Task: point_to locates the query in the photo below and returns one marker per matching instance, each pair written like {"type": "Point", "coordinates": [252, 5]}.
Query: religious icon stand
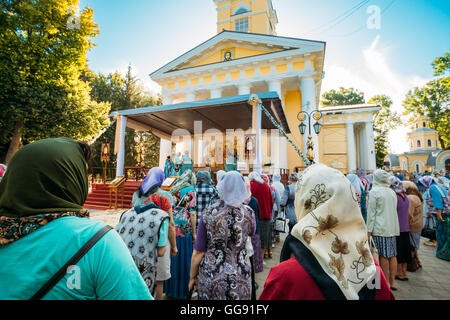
{"type": "Point", "coordinates": [104, 157]}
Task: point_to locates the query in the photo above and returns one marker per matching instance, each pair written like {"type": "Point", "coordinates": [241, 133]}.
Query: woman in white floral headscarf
{"type": "Point", "coordinates": [331, 255]}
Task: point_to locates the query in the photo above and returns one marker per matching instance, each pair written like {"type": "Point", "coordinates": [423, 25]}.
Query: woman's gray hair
{"type": "Point", "coordinates": [293, 176]}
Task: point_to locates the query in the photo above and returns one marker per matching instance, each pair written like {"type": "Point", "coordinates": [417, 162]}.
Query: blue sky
{"type": "Point", "coordinates": [391, 60]}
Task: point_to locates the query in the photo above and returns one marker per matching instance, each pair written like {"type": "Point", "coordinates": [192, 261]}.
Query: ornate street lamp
{"type": "Point", "coordinates": [315, 115]}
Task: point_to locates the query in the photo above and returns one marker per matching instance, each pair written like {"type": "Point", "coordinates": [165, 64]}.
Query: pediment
{"type": "Point", "coordinates": [241, 46]}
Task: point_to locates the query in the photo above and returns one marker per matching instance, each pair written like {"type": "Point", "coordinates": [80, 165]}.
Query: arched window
{"type": "Point", "coordinates": [419, 144]}
{"type": "Point", "coordinates": [424, 125]}
{"type": "Point", "coordinates": [241, 8]}
{"type": "Point", "coordinates": [429, 143]}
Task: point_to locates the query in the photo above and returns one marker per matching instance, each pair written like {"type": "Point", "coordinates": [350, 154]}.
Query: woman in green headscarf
{"type": "Point", "coordinates": [43, 224]}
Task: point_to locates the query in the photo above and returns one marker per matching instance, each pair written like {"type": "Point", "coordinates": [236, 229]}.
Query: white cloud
{"type": "Point", "coordinates": [377, 77]}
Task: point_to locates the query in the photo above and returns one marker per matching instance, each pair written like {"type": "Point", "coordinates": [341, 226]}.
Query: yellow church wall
{"type": "Point", "coordinates": [293, 102]}
{"type": "Point", "coordinates": [220, 77]}
{"type": "Point", "coordinates": [194, 82]}
{"type": "Point", "coordinates": [299, 65]}
{"type": "Point", "coordinates": [171, 85]}
{"type": "Point", "coordinates": [281, 68]}
{"type": "Point", "coordinates": [207, 79]}
{"type": "Point", "coordinates": [235, 75]}
{"type": "Point", "coordinates": [333, 147]}
{"type": "Point", "coordinates": [182, 84]}
{"type": "Point", "coordinates": [245, 52]}
{"type": "Point", "coordinates": [259, 23]}
{"type": "Point", "coordinates": [264, 71]}
{"type": "Point", "coordinates": [249, 73]}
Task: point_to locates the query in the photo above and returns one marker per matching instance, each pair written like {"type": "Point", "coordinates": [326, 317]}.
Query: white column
{"type": "Point", "coordinates": [216, 93]}
{"type": "Point", "coordinates": [308, 88]}
{"type": "Point", "coordinates": [165, 149]}
{"type": "Point", "coordinates": [275, 86]}
{"type": "Point", "coordinates": [167, 99]}
{"type": "Point", "coordinates": [371, 153]}
{"type": "Point", "coordinates": [258, 164]}
{"type": "Point", "coordinates": [190, 96]}
{"type": "Point", "coordinates": [121, 153]}
{"type": "Point", "coordinates": [351, 148]}
{"type": "Point", "coordinates": [244, 89]}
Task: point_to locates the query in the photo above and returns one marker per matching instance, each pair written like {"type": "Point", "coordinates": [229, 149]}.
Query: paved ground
{"type": "Point", "coordinates": [432, 282]}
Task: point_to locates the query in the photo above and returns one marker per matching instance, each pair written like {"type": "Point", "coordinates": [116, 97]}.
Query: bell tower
{"type": "Point", "coordinates": [252, 16]}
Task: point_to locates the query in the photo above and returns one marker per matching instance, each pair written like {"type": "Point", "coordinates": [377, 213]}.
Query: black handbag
{"type": "Point", "coordinates": [429, 230]}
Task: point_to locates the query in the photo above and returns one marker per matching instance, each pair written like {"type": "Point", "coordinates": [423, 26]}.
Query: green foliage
{"type": "Point", "coordinates": [123, 92]}
{"type": "Point", "coordinates": [41, 60]}
{"type": "Point", "coordinates": [342, 97]}
{"type": "Point", "coordinates": [384, 120]}
{"type": "Point", "coordinates": [441, 65]}
{"type": "Point", "coordinates": [432, 101]}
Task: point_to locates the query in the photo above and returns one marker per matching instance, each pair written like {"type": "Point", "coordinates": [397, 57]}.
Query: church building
{"type": "Point", "coordinates": [206, 93]}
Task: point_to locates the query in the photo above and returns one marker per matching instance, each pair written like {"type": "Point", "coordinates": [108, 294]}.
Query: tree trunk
{"type": "Point", "coordinates": [16, 140]}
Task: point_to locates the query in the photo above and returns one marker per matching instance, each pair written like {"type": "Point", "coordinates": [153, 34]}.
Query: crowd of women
{"type": "Point", "coordinates": [209, 238]}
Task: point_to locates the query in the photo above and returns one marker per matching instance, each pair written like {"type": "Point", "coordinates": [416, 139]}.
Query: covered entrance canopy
{"type": "Point", "coordinates": [224, 113]}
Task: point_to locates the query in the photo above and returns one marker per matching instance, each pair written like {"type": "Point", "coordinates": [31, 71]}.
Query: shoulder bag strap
{"type": "Point", "coordinates": [73, 261]}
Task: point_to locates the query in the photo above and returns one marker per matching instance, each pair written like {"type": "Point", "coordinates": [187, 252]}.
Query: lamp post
{"type": "Point", "coordinates": [302, 116]}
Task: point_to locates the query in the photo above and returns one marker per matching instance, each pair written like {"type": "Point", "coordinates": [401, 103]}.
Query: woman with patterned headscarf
{"type": "Point", "coordinates": [206, 192]}
{"type": "Point", "coordinates": [382, 223]}
{"type": "Point", "coordinates": [415, 217]}
{"type": "Point", "coordinates": [220, 266]}
{"type": "Point", "coordinates": [185, 218]}
{"type": "Point", "coordinates": [402, 241]}
{"type": "Point", "coordinates": [438, 208]}
{"type": "Point", "coordinates": [43, 224]}
{"type": "Point", "coordinates": [327, 255]}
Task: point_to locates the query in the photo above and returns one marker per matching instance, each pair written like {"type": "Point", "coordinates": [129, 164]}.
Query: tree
{"type": "Point", "coordinates": [441, 65]}
{"type": "Point", "coordinates": [123, 92]}
{"type": "Point", "coordinates": [432, 101]}
{"type": "Point", "coordinates": [384, 120]}
{"type": "Point", "coordinates": [42, 56]}
{"type": "Point", "coordinates": [342, 97]}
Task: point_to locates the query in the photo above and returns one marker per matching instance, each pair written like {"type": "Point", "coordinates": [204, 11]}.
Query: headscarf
{"type": "Point", "coordinates": [219, 175]}
{"type": "Point", "coordinates": [267, 180]}
{"type": "Point", "coordinates": [155, 177]}
{"type": "Point", "coordinates": [293, 176]}
{"type": "Point", "coordinates": [161, 201]}
{"type": "Point", "coordinates": [362, 175]}
{"type": "Point", "coordinates": [46, 180]}
{"type": "Point", "coordinates": [427, 181]}
{"type": "Point", "coordinates": [411, 188]}
{"type": "Point", "coordinates": [356, 183]}
{"type": "Point", "coordinates": [185, 180]}
{"type": "Point", "coordinates": [445, 181]}
{"type": "Point", "coordinates": [2, 170]}
{"type": "Point", "coordinates": [47, 176]}
{"type": "Point", "coordinates": [203, 177]}
{"type": "Point", "coordinates": [397, 186]}
{"type": "Point", "coordinates": [331, 227]}
{"type": "Point", "coordinates": [255, 176]}
{"type": "Point", "coordinates": [381, 178]}
{"type": "Point", "coordinates": [232, 189]}
{"type": "Point", "coordinates": [279, 187]}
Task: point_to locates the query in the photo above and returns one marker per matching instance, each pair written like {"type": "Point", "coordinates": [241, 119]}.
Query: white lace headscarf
{"type": "Point", "coordinates": [331, 226]}
{"type": "Point", "coordinates": [279, 187]}
{"type": "Point", "coordinates": [232, 189]}
{"type": "Point", "coordinates": [255, 176]}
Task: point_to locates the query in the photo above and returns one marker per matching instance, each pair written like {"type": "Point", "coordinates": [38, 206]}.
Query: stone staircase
{"type": "Point", "coordinates": [98, 199]}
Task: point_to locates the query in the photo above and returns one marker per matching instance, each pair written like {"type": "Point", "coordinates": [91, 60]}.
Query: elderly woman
{"type": "Point", "coordinates": [438, 207]}
{"type": "Point", "coordinates": [206, 192]}
{"type": "Point", "coordinates": [275, 210]}
{"type": "Point", "coordinates": [415, 214]}
{"type": "Point", "coordinates": [220, 266]}
{"type": "Point", "coordinates": [185, 218]}
{"type": "Point", "coordinates": [327, 255]}
{"type": "Point", "coordinates": [402, 241]}
{"type": "Point", "coordinates": [145, 232]}
{"type": "Point", "coordinates": [382, 223]}
{"type": "Point", "coordinates": [287, 200]}
{"type": "Point", "coordinates": [43, 224]}
{"type": "Point", "coordinates": [261, 191]}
